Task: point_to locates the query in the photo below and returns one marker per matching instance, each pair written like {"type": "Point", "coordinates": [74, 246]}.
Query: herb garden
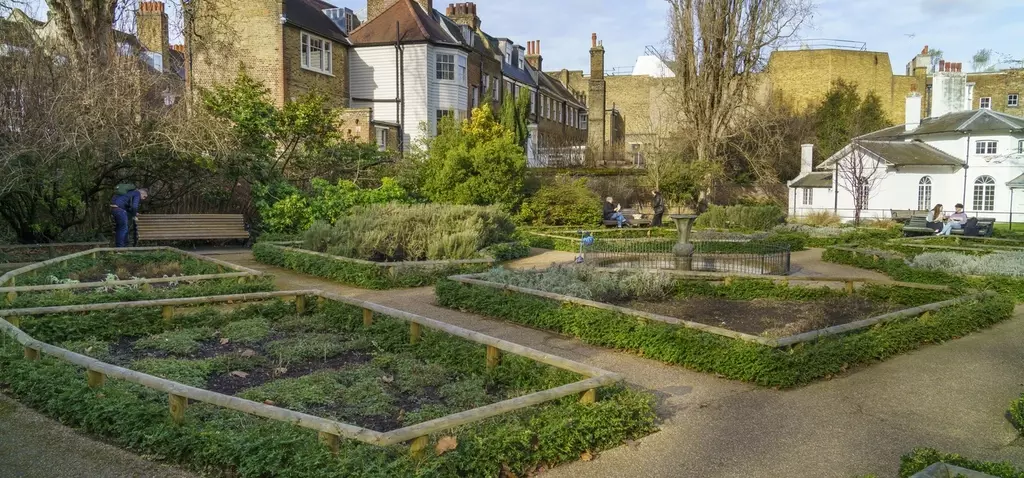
{"type": "Point", "coordinates": [113, 275]}
{"type": "Point", "coordinates": [248, 388]}
{"type": "Point", "coordinates": [766, 332]}
{"type": "Point", "coordinates": [392, 245]}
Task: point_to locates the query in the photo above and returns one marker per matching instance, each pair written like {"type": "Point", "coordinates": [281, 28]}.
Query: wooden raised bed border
{"type": "Point", "coordinates": [330, 431]}
{"type": "Point", "coordinates": [474, 279]}
{"type": "Point", "coordinates": [8, 281]}
{"type": "Point", "coordinates": [385, 265]}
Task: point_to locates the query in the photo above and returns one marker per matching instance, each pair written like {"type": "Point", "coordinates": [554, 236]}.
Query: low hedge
{"type": "Point", "coordinates": [216, 440]}
{"type": "Point", "coordinates": [1016, 414]}
{"type": "Point", "coordinates": [921, 458]}
{"type": "Point", "coordinates": [898, 270]}
{"type": "Point", "coordinates": [204, 288]}
{"type": "Point", "coordinates": [735, 359]}
{"type": "Point", "coordinates": [358, 273]}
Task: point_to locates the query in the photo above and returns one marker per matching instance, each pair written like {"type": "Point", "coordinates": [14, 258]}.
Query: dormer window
{"type": "Point", "coordinates": [508, 54]}
{"type": "Point", "coordinates": [468, 35]}
{"type": "Point", "coordinates": [316, 54]}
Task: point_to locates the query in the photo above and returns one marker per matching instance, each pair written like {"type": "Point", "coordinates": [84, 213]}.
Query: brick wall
{"type": "Point", "coordinates": [998, 86]}
{"type": "Point", "coordinates": [356, 125]}
{"type": "Point", "coordinates": [300, 81]}
{"type": "Point", "coordinates": [151, 22]}
{"type": "Point", "coordinates": [227, 35]}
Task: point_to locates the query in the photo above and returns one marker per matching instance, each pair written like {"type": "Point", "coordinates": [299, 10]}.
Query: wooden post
{"type": "Point", "coordinates": [493, 357]}
{"type": "Point", "coordinates": [367, 317]}
{"type": "Point", "coordinates": [241, 280]}
{"type": "Point", "coordinates": [14, 320]}
{"type": "Point", "coordinates": [31, 353]}
{"type": "Point", "coordinates": [849, 287]}
{"type": "Point", "coordinates": [9, 299]}
{"type": "Point", "coordinates": [167, 312]}
{"type": "Point", "coordinates": [320, 301]}
{"type": "Point", "coordinates": [415, 331]}
{"type": "Point", "coordinates": [332, 441]}
{"type": "Point", "coordinates": [177, 407]}
{"type": "Point", "coordinates": [94, 379]}
{"type": "Point", "coordinates": [590, 396]}
{"type": "Point", "coordinates": [147, 287]}
{"type": "Point", "coordinates": [300, 304]}
{"type": "Point", "coordinates": [728, 281]}
{"type": "Point", "coordinates": [418, 446]}
{"type": "Point", "coordinates": [220, 269]}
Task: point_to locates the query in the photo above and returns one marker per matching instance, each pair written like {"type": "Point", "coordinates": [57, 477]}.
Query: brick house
{"type": "Point", "coordinates": [293, 47]}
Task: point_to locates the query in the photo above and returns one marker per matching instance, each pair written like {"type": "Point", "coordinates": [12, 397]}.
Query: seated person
{"type": "Point", "coordinates": [612, 211]}
{"type": "Point", "coordinates": [954, 221]}
{"type": "Point", "coordinates": [934, 219]}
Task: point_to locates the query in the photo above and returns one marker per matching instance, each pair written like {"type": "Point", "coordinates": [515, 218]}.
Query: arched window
{"type": "Point", "coordinates": [924, 194]}
{"type": "Point", "coordinates": [984, 194]}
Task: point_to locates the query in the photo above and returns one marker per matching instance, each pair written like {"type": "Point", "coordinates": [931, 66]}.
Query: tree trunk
{"type": "Point", "coordinates": [87, 28]}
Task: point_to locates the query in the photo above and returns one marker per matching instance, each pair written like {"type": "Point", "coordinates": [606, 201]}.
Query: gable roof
{"type": "Point", "coordinates": [309, 15]}
{"type": "Point", "coordinates": [813, 180]}
{"type": "Point", "coordinates": [972, 121]}
{"type": "Point", "coordinates": [555, 88]}
{"type": "Point", "coordinates": [897, 153]}
{"type": "Point", "coordinates": [1017, 182]}
{"type": "Point", "coordinates": [416, 25]}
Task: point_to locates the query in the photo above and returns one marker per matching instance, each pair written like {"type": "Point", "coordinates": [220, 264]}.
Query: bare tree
{"type": "Point", "coordinates": [87, 27]}
{"type": "Point", "coordinates": [719, 46]}
{"type": "Point", "coordinates": [859, 174]}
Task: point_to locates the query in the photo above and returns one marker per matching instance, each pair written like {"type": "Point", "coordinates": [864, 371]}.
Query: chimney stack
{"type": "Point", "coordinates": [912, 113]}
{"type": "Point", "coordinates": [597, 104]}
{"type": "Point", "coordinates": [806, 158]}
{"type": "Point", "coordinates": [463, 14]}
{"type": "Point", "coordinates": [533, 55]}
{"type": "Point", "coordinates": [151, 25]}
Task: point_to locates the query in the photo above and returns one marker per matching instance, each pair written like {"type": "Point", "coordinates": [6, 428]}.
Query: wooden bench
{"type": "Point", "coordinates": [918, 226]}
{"type": "Point", "coordinates": [192, 227]}
{"type": "Point", "coordinates": [905, 215]}
{"type": "Point", "coordinates": [644, 221]}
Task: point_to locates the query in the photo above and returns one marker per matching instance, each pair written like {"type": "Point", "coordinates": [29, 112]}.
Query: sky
{"type": "Point", "coordinates": [900, 27]}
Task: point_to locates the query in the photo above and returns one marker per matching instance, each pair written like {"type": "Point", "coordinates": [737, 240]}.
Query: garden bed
{"type": "Point", "coordinates": [794, 349]}
{"type": "Point", "coordinates": [117, 275]}
{"type": "Point", "coordinates": [365, 377]}
{"type": "Point", "coordinates": [30, 253]}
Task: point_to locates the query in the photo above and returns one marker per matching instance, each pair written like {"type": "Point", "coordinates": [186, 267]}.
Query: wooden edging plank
{"type": "Point", "coordinates": [330, 430]}
{"type": "Point", "coordinates": [382, 264]}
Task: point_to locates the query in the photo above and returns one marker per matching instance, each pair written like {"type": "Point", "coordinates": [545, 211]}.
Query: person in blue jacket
{"type": "Point", "coordinates": [125, 208]}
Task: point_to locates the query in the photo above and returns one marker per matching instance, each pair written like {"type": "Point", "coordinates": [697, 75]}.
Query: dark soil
{"type": "Point", "coordinates": [771, 318]}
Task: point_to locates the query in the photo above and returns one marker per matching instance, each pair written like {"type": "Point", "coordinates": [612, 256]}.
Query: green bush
{"type": "Point", "coordinates": [586, 283]}
{"type": "Point", "coordinates": [741, 218]}
{"type": "Point", "coordinates": [361, 274]}
{"type": "Point", "coordinates": [507, 251]}
{"type": "Point", "coordinates": [394, 232]}
{"type": "Point", "coordinates": [327, 202]}
{"type": "Point", "coordinates": [921, 458]}
{"type": "Point", "coordinates": [565, 203]}
{"type": "Point", "coordinates": [997, 263]}
{"type": "Point", "coordinates": [735, 359]}
{"type": "Point", "coordinates": [203, 288]}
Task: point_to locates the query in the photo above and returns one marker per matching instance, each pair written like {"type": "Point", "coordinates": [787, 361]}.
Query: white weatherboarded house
{"type": "Point", "coordinates": [971, 157]}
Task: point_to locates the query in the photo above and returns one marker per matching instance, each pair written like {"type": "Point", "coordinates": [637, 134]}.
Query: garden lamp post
{"type": "Point", "coordinates": [683, 250]}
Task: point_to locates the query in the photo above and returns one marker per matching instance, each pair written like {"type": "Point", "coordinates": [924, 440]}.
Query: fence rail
{"type": "Point", "coordinates": [744, 257]}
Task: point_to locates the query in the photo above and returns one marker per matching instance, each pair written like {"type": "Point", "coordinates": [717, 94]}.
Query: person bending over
{"type": "Point", "coordinates": [124, 207]}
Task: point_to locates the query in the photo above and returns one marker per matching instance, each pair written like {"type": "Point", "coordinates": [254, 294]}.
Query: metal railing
{"type": "Point", "coordinates": [742, 257]}
{"type": "Point", "coordinates": [825, 44]}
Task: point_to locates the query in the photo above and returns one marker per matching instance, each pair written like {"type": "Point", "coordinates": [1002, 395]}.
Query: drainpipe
{"type": "Point", "coordinates": [967, 165]}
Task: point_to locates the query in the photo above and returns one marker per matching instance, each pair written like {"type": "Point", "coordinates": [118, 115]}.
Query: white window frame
{"type": "Point", "coordinates": [984, 194]}
{"type": "Point", "coordinates": [533, 103]}
{"type": "Point", "coordinates": [808, 197]}
{"type": "Point", "coordinates": [307, 44]}
{"type": "Point", "coordinates": [461, 61]}
{"type": "Point", "coordinates": [496, 90]}
{"type": "Point", "coordinates": [985, 103]}
{"type": "Point", "coordinates": [476, 97]}
{"type": "Point", "coordinates": [382, 137]}
{"type": "Point", "coordinates": [969, 94]}
{"type": "Point", "coordinates": [444, 66]}
{"type": "Point", "coordinates": [924, 193]}
{"type": "Point", "coordinates": [1012, 100]}
{"type": "Point", "coordinates": [986, 147]}
{"type": "Point", "coordinates": [1020, 146]}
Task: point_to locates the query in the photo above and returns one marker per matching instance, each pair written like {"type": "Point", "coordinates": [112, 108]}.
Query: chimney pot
{"type": "Point", "coordinates": [593, 40]}
{"type": "Point", "coordinates": [536, 47]}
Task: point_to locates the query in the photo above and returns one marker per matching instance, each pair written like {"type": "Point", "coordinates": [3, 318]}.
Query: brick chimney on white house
{"type": "Point", "coordinates": [913, 111]}
{"type": "Point", "coordinates": [949, 89]}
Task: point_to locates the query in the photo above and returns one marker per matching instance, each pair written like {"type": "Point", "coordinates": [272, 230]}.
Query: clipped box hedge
{"type": "Point", "coordinates": [898, 270]}
{"type": "Point", "coordinates": [921, 458]}
{"type": "Point", "coordinates": [365, 274]}
{"type": "Point", "coordinates": [712, 353]}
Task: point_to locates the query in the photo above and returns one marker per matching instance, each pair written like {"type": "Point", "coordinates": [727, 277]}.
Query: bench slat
{"type": "Point", "coordinates": [182, 227]}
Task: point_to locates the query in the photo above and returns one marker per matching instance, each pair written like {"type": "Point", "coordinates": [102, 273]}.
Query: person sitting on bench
{"type": "Point", "coordinates": [124, 206]}
{"type": "Point", "coordinates": [612, 212]}
{"type": "Point", "coordinates": [954, 221]}
{"type": "Point", "coordinates": [934, 219]}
